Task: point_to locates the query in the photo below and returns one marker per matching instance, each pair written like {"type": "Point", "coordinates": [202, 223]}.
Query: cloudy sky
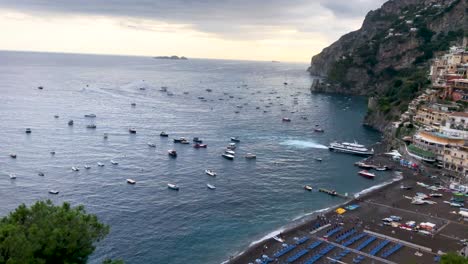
{"type": "Point", "coordinates": [286, 30]}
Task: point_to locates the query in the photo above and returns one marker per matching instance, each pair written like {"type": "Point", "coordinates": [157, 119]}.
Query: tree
{"type": "Point", "coordinates": [45, 233]}
{"type": "Point", "coordinates": [453, 258]}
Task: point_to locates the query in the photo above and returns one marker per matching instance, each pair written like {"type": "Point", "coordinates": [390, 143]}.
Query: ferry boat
{"type": "Point", "coordinates": [366, 174]}
{"type": "Point", "coordinates": [351, 148]}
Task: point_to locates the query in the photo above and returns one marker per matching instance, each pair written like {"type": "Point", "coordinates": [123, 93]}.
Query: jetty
{"type": "Point", "coordinates": [333, 193]}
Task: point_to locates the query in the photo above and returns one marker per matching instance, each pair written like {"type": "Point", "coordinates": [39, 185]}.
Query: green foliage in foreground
{"type": "Point", "coordinates": [453, 258]}
{"type": "Point", "coordinates": [45, 233]}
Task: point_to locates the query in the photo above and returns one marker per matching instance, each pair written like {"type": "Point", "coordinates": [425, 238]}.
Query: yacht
{"type": "Point", "coordinates": [87, 167]}
{"type": "Point", "coordinates": [100, 164]}
{"type": "Point", "coordinates": [210, 186]}
{"type": "Point", "coordinates": [230, 152]}
{"type": "Point", "coordinates": [197, 145]}
{"type": "Point", "coordinates": [351, 148]}
{"type": "Point", "coordinates": [210, 172]}
{"type": "Point", "coordinates": [286, 119]}
{"type": "Point", "coordinates": [231, 146]}
{"type": "Point", "coordinates": [164, 134]}
{"type": "Point", "coordinates": [113, 162]}
{"type": "Point", "coordinates": [172, 153]}
{"type": "Point", "coordinates": [12, 176]}
{"type": "Point", "coordinates": [75, 169]}
{"type": "Point", "coordinates": [197, 140]}
{"type": "Point", "coordinates": [132, 130]}
{"type": "Point", "coordinates": [228, 156]}
{"type": "Point", "coordinates": [308, 188]}
{"type": "Point", "coordinates": [54, 192]}
{"type": "Point", "coordinates": [250, 156]}
{"type": "Point", "coordinates": [319, 130]}
{"type": "Point", "coordinates": [151, 145]}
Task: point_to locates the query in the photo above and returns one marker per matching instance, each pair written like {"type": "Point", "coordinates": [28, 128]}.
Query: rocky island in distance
{"type": "Point", "coordinates": [173, 57]}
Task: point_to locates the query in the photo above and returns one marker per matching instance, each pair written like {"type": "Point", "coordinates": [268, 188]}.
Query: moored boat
{"type": "Point", "coordinates": [197, 140]}
{"type": "Point", "coordinates": [100, 164]}
{"type": "Point", "coordinates": [12, 176]}
{"type": "Point", "coordinates": [87, 167]}
{"type": "Point", "coordinates": [363, 165]}
{"type": "Point", "coordinates": [230, 152]}
{"type": "Point", "coordinates": [70, 122]}
{"type": "Point", "coordinates": [231, 146]}
{"type": "Point", "coordinates": [113, 162]}
{"type": "Point", "coordinates": [180, 140]}
{"type": "Point", "coordinates": [286, 119]}
{"type": "Point", "coordinates": [308, 188]}
{"type": "Point", "coordinates": [250, 156]}
{"type": "Point", "coordinates": [92, 126]}
{"type": "Point", "coordinates": [210, 172]}
{"type": "Point", "coordinates": [235, 139]}
{"type": "Point", "coordinates": [163, 134]}
{"type": "Point", "coordinates": [132, 130]}
{"type": "Point", "coordinates": [197, 145]}
{"type": "Point", "coordinates": [366, 174]}
{"type": "Point", "coordinates": [210, 186]}
{"type": "Point", "coordinates": [90, 115]}
{"type": "Point", "coordinates": [41, 174]}
{"type": "Point", "coordinates": [28, 131]}
{"type": "Point", "coordinates": [131, 181]}
{"type": "Point", "coordinates": [318, 159]}
{"type": "Point", "coordinates": [172, 153]}
{"type": "Point", "coordinates": [172, 186]}
{"type": "Point", "coordinates": [319, 130]}
{"type": "Point", "coordinates": [227, 156]}
{"type": "Point", "coordinates": [75, 168]}
{"type": "Point", "coordinates": [13, 155]}
{"type": "Point", "coordinates": [54, 192]}
{"type": "Point", "coordinates": [151, 145]}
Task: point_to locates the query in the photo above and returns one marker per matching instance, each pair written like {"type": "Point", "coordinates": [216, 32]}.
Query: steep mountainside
{"type": "Point", "coordinates": [387, 57]}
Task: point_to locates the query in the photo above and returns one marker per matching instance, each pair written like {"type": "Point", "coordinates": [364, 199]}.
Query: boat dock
{"type": "Point", "coordinates": [333, 193]}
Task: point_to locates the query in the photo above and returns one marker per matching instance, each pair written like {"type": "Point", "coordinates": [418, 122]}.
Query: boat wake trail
{"type": "Point", "coordinates": [303, 144]}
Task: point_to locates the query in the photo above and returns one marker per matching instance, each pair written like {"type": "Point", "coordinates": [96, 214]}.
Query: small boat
{"type": "Point", "coordinates": [52, 153]}
{"type": "Point", "coordinates": [170, 93]}
{"type": "Point", "coordinates": [142, 88]}
{"type": "Point", "coordinates": [236, 112]}
{"type": "Point", "coordinates": [366, 174]}
{"type": "Point", "coordinates": [133, 104]}
{"type": "Point", "coordinates": [28, 131]}
{"type": "Point", "coordinates": [163, 89]}
{"type": "Point", "coordinates": [209, 90]}
{"type": "Point", "coordinates": [100, 164]}
{"type": "Point", "coordinates": [92, 126]}
{"type": "Point", "coordinates": [235, 139]}
{"type": "Point", "coordinates": [56, 116]}
{"type": "Point", "coordinates": [286, 119]}
{"type": "Point", "coordinates": [13, 155]}
{"type": "Point", "coordinates": [250, 156]}
{"type": "Point", "coordinates": [90, 115]}
{"type": "Point", "coordinates": [54, 192]}
{"type": "Point", "coordinates": [105, 136]}
{"type": "Point", "coordinates": [113, 162]}
{"type": "Point", "coordinates": [318, 159]}
{"type": "Point", "coordinates": [41, 174]}
{"type": "Point", "coordinates": [87, 167]}
{"type": "Point", "coordinates": [12, 176]}
{"type": "Point", "coordinates": [197, 140]}
{"type": "Point", "coordinates": [184, 142]}
{"type": "Point", "coordinates": [40, 87]}
{"type": "Point", "coordinates": [210, 186]}
{"type": "Point", "coordinates": [130, 181]}
{"type": "Point", "coordinates": [227, 156]}
{"type": "Point", "coordinates": [200, 145]}
{"type": "Point", "coordinates": [151, 145]}
{"type": "Point", "coordinates": [210, 172]}
{"type": "Point", "coordinates": [383, 168]}
{"type": "Point", "coordinates": [231, 146]}
{"type": "Point", "coordinates": [319, 130]}
{"type": "Point", "coordinates": [230, 152]}
{"type": "Point", "coordinates": [278, 239]}
{"type": "Point", "coordinates": [172, 153]}
{"type": "Point", "coordinates": [436, 195]}
{"type": "Point", "coordinates": [186, 92]}
{"type": "Point", "coordinates": [164, 134]}
{"type": "Point", "coordinates": [406, 187]}
{"type": "Point", "coordinates": [132, 130]}
{"type": "Point", "coordinates": [179, 140]}
{"type": "Point", "coordinates": [75, 169]}
{"type": "Point", "coordinates": [173, 186]}
{"type": "Point", "coordinates": [308, 188]}
{"type": "Point", "coordinates": [363, 165]}
{"type": "Point", "coordinates": [70, 122]}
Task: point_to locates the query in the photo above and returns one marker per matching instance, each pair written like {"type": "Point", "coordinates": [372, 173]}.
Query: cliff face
{"type": "Point", "coordinates": [394, 43]}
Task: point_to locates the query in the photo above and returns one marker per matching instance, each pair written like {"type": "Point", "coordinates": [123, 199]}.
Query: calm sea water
{"type": "Point", "coordinates": [149, 223]}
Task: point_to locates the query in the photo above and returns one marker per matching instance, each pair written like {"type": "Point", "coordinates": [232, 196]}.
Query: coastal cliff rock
{"type": "Point", "coordinates": [388, 56]}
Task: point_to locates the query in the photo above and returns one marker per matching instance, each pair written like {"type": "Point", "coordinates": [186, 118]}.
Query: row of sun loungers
{"type": "Point", "coordinates": [345, 235]}
{"type": "Point", "coordinates": [351, 241]}
{"type": "Point", "coordinates": [284, 251]}
{"type": "Point", "coordinates": [297, 255]}
{"type": "Point", "coordinates": [376, 250]}
{"type": "Point", "coordinates": [389, 252]}
{"type": "Point", "coordinates": [321, 253]}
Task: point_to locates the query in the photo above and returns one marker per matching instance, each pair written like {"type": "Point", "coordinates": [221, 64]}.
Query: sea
{"type": "Point", "coordinates": [149, 222]}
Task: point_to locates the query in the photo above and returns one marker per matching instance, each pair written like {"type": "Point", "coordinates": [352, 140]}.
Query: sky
{"type": "Point", "coordinates": [283, 30]}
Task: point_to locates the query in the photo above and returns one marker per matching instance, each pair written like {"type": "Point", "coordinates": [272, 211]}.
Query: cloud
{"type": "Point", "coordinates": [232, 19]}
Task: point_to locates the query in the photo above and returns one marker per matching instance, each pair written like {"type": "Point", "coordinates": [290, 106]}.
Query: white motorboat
{"type": "Point", "coordinates": [54, 192]}
{"type": "Point", "coordinates": [308, 188]}
{"type": "Point", "coordinates": [210, 172]}
{"type": "Point", "coordinates": [232, 146]}
{"type": "Point", "coordinates": [75, 168]}
{"type": "Point", "coordinates": [12, 176]}
{"type": "Point", "coordinates": [436, 195]}
{"type": "Point", "coordinates": [210, 186]}
{"type": "Point", "coordinates": [87, 167]}
{"type": "Point", "coordinates": [228, 156]}
{"type": "Point", "coordinates": [250, 156]}
{"type": "Point", "coordinates": [131, 181]}
{"type": "Point", "coordinates": [230, 152]}
{"type": "Point", "coordinates": [100, 164]}
{"type": "Point", "coordinates": [235, 139]}
{"type": "Point", "coordinates": [113, 162]}
{"type": "Point", "coordinates": [151, 145]}
{"type": "Point", "coordinates": [318, 159]}
{"type": "Point", "coordinates": [366, 174]}
{"type": "Point", "coordinates": [172, 153]}
{"type": "Point", "coordinates": [173, 186]}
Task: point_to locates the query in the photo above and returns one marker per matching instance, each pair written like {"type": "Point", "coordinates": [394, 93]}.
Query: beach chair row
{"type": "Point", "coordinates": [345, 235]}
{"type": "Point", "coordinates": [376, 250]}
{"type": "Point", "coordinates": [366, 243]}
{"type": "Point", "coordinates": [297, 255]}
{"type": "Point", "coordinates": [302, 240]}
{"type": "Point", "coordinates": [358, 259]}
{"type": "Point", "coordinates": [389, 252]}
{"type": "Point", "coordinates": [315, 244]}
{"type": "Point", "coordinates": [321, 253]}
{"type": "Point", "coordinates": [284, 251]}
{"type": "Point", "coordinates": [351, 241]}
{"type": "Point", "coordinates": [334, 231]}
{"type": "Point", "coordinates": [341, 255]}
